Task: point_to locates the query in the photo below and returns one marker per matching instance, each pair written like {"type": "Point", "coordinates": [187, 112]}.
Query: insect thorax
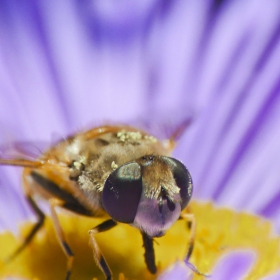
{"type": "Point", "coordinates": [94, 160]}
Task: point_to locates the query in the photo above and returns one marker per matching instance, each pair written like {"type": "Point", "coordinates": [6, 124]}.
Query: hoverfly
{"type": "Point", "coordinates": [117, 170]}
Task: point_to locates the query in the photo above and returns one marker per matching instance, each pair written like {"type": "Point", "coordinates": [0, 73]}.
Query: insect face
{"type": "Point", "coordinates": [149, 193]}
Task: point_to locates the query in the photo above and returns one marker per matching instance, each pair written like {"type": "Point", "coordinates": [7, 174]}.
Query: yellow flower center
{"type": "Point", "coordinates": [219, 231]}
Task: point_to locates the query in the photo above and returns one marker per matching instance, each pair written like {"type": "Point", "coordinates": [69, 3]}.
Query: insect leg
{"type": "Point", "coordinates": [35, 228]}
{"type": "Point", "coordinates": [149, 254]}
{"type": "Point", "coordinates": [61, 236]}
{"type": "Point", "coordinates": [192, 226]}
{"type": "Point", "coordinates": [97, 255]}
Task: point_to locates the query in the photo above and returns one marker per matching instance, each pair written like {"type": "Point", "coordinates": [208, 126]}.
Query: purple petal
{"type": "Point", "coordinates": [275, 276]}
{"type": "Point", "coordinates": [69, 65]}
{"type": "Point", "coordinates": [234, 265]}
{"type": "Point", "coordinates": [65, 66]}
{"type": "Point", "coordinates": [12, 203]}
{"type": "Point", "coordinates": [178, 271]}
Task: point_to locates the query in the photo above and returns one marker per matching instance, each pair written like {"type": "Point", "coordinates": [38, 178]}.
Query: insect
{"type": "Point", "coordinates": [117, 170]}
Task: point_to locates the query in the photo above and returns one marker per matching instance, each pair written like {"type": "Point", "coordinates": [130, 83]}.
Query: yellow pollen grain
{"type": "Point", "coordinates": [129, 135]}
{"type": "Point", "coordinates": [114, 166]}
{"type": "Point", "coordinates": [151, 138]}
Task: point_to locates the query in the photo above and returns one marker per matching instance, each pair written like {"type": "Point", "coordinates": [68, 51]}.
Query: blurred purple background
{"type": "Point", "coordinates": [66, 66]}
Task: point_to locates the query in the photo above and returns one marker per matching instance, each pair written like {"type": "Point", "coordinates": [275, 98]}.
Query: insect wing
{"type": "Point", "coordinates": [23, 150]}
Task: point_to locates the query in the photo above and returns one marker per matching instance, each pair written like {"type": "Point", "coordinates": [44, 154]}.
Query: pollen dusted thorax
{"type": "Point", "coordinates": [95, 159]}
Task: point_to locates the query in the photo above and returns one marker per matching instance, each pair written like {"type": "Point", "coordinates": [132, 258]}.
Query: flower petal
{"type": "Point", "coordinates": [275, 276]}
{"type": "Point", "coordinates": [178, 271]}
{"type": "Point", "coordinates": [233, 265]}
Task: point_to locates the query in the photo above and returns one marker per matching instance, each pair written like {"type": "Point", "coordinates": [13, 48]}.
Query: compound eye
{"type": "Point", "coordinates": [122, 192]}
{"type": "Point", "coordinates": [182, 178]}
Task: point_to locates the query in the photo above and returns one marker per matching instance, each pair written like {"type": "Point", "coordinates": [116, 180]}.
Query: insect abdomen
{"type": "Point", "coordinates": [70, 202]}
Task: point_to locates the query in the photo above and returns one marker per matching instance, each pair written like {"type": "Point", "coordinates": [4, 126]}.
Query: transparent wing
{"type": "Point", "coordinates": [171, 129]}
{"type": "Point", "coordinates": [22, 153]}
{"type": "Point", "coordinates": [26, 154]}
{"type": "Point", "coordinates": [24, 150]}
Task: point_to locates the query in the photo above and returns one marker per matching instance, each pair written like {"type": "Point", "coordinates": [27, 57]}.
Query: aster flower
{"type": "Point", "coordinates": [67, 66]}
